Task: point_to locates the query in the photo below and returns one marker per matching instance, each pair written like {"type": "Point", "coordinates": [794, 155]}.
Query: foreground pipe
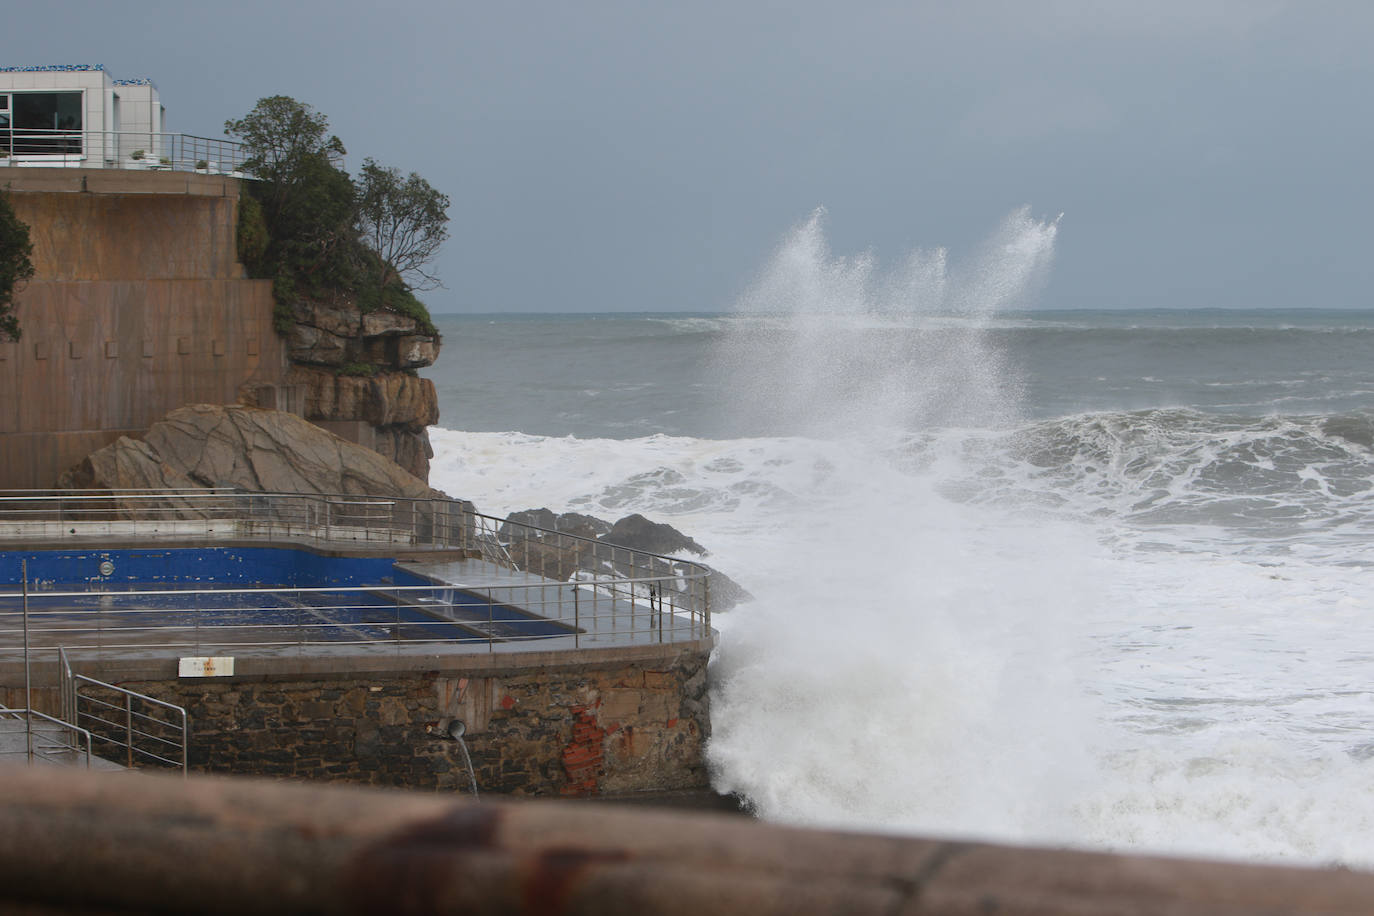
{"type": "Point", "coordinates": [78, 842]}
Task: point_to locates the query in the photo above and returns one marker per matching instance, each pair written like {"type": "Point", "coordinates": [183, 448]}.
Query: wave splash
{"type": "Point", "coordinates": [1081, 618]}
{"type": "Point", "coordinates": [902, 665]}
{"type": "Point", "coordinates": [856, 348]}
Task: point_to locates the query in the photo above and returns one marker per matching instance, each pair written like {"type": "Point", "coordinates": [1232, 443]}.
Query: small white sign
{"type": "Point", "coordinates": [206, 666]}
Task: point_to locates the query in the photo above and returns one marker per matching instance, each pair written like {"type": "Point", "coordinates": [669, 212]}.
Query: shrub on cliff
{"type": "Point", "coordinates": [325, 235]}
{"type": "Point", "coordinates": [252, 235]}
{"type": "Point", "coordinates": [16, 265]}
{"type": "Point", "coordinates": [404, 220]}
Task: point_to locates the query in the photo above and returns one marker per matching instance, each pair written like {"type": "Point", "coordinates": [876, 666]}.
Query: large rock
{"type": "Point", "coordinates": [574, 523]}
{"type": "Point", "coordinates": [556, 557]}
{"type": "Point", "coordinates": [638, 533]}
{"type": "Point", "coordinates": [206, 445]}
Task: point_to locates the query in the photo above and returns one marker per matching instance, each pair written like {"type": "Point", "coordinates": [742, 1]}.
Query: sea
{"type": "Point", "coordinates": [1095, 579]}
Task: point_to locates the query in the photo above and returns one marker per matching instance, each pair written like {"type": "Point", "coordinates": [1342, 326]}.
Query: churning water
{"type": "Point", "coordinates": [1098, 579]}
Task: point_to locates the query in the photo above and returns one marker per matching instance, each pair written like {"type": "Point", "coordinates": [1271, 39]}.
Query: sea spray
{"type": "Point", "coordinates": [857, 351]}
{"type": "Point", "coordinates": [905, 662]}
{"type": "Point", "coordinates": [1142, 614]}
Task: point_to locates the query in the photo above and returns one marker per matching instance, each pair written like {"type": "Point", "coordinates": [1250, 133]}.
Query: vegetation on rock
{"type": "Point", "coordinates": [16, 266]}
{"type": "Point", "coordinates": [319, 235]}
{"type": "Point", "coordinates": [404, 220]}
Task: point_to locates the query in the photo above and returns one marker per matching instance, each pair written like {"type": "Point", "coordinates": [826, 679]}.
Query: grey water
{"type": "Point", "coordinates": [628, 375]}
{"type": "Point", "coordinates": [1118, 598]}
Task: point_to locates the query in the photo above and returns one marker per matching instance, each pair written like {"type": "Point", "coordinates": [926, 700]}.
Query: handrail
{"type": "Point", "coordinates": [132, 750]}
{"type": "Point", "coordinates": [59, 747]}
{"type": "Point", "coordinates": [122, 149]}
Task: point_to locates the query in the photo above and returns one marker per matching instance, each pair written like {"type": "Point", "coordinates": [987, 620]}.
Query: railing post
{"type": "Point", "coordinates": [129, 728]}
{"type": "Point", "coordinates": [28, 685]}
{"type": "Point", "coordinates": [577, 619]}
{"type": "Point", "coordinates": [706, 606]}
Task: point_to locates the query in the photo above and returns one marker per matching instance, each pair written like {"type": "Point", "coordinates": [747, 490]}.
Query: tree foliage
{"type": "Point", "coordinates": [404, 220]}
{"type": "Point", "coordinates": [16, 266]}
{"type": "Point", "coordinates": [324, 233]}
{"type": "Point", "coordinates": [286, 141]}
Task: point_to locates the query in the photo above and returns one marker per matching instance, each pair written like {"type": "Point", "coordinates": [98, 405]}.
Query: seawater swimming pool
{"type": "Point", "coordinates": [242, 596]}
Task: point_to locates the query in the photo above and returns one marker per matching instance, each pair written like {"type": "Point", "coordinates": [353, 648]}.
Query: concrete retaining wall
{"type": "Point", "coordinates": [138, 306]}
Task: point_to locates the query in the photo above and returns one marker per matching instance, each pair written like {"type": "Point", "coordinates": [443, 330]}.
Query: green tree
{"type": "Point", "coordinates": [320, 236]}
{"type": "Point", "coordinates": [306, 201]}
{"type": "Point", "coordinates": [404, 220]}
{"type": "Point", "coordinates": [16, 266]}
{"type": "Point", "coordinates": [286, 142]}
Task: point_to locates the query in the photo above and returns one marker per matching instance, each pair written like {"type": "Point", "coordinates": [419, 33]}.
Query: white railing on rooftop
{"type": "Point", "coordinates": [125, 149]}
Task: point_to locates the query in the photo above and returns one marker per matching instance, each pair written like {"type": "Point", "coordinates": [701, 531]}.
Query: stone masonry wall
{"type": "Point", "coordinates": [575, 730]}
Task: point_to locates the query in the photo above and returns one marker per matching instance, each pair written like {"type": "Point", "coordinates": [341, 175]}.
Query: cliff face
{"type": "Point", "coordinates": [138, 306]}
{"type": "Point", "coordinates": [355, 376]}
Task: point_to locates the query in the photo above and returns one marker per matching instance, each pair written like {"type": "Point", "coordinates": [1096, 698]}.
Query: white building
{"type": "Point", "coordinates": [78, 115]}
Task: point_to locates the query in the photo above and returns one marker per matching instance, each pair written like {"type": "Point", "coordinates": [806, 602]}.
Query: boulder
{"type": "Point", "coordinates": [638, 533]}
{"type": "Point", "coordinates": [205, 445]}
{"type": "Point", "coordinates": [561, 558]}
{"type": "Point", "coordinates": [574, 523]}
{"type": "Point", "coordinates": [586, 526]}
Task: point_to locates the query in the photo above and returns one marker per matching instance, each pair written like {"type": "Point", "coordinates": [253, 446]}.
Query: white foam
{"type": "Point", "coordinates": [948, 637]}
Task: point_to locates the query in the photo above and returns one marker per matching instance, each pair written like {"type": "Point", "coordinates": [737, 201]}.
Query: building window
{"type": "Point", "coordinates": [41, 123]}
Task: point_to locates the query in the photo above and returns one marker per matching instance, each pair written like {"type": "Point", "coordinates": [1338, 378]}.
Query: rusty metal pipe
{"type": "Point", "coordinates": [77, 842]}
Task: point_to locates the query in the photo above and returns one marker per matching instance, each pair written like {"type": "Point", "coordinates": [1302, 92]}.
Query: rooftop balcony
{"type": "Point", "coordinates": [127, 150]}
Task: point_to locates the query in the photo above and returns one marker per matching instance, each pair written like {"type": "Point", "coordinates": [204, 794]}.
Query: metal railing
{"type": "Point", "coordinates": [124, 149]}
{"type": "Point", "coordinates": [130, 728]}
{"type": "Point", "coordinates": [511, 583]}
{"type": "Point", "coordinates": [48, 739]}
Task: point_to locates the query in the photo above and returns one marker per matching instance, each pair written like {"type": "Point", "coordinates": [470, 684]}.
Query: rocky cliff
{"type": "Point", "coordinates": [355, 372]}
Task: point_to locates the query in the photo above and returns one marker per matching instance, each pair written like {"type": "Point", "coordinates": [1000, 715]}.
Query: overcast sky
{"type": "Point", "coordinates": [649, 156]}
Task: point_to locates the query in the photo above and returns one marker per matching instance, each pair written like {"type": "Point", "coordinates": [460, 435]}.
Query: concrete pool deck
{"type": "Point", "coordinates": [50, 748]}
